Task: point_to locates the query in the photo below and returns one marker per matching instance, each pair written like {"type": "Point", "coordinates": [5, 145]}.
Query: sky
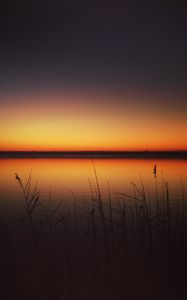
{"type": "Point", "coordinates": [93, 75]}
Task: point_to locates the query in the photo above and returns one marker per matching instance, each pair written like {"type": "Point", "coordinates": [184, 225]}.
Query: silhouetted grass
{"type": "Point", "coordinates": [124, 246]}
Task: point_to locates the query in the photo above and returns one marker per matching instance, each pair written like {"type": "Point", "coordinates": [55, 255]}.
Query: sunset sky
{"type": "Point", "coordinates": [93, 75]}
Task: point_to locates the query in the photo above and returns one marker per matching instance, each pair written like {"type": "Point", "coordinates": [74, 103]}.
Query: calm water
{"type": "Point", "coordinates": [67, 255]}
{"type": "Point", "coordinates": [60, 177]}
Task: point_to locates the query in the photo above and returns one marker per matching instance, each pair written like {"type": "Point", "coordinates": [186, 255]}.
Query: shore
{"type": "Point", "coordinates": [95, 154]}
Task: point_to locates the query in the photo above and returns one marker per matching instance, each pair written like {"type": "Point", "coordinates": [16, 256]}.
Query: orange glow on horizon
{"type": "Point", "coordinates": [62, 122]}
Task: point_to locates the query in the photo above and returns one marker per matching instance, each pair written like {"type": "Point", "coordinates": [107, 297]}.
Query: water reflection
{"type": "Point", "coordinates": [60, 177]}
{"type": "Point", "coordinates": [127, 245]}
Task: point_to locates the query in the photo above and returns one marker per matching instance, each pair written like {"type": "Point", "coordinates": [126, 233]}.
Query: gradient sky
{"type": "Point", "coordinates": [93, 75]}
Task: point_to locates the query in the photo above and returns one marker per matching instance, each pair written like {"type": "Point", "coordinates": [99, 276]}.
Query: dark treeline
{"type": "Point", "coordinates": [94, 154]}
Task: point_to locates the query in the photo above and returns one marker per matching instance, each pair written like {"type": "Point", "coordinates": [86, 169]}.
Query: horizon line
{"type": "Point", "coordinates": [146, 150]}
{"type": "Point", "coordinates": [95, 154]}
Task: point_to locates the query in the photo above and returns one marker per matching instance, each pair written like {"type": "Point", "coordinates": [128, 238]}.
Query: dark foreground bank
{"type": "Point", "coordinates": [93, 248]}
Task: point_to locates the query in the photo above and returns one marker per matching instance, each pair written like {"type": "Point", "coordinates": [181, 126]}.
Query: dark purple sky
{"type": "Point", "coordinates": [93, 43]}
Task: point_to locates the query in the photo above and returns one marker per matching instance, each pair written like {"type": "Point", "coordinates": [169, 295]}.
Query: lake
{"type": "Point", "coordinates": [61, 178]}
{"type": "Point", "coordinates": [132, 247]}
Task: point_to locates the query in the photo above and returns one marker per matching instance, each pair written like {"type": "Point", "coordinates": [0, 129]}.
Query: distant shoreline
{"type": "Point", "coordinates": [94, 154]}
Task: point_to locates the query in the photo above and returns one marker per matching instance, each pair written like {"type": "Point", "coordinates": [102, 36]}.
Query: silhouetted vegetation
{"type": "Point", "coordinates": [118, 247]}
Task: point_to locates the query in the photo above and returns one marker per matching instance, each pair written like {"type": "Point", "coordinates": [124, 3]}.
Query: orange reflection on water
{"type": "Point", "coordinates": [60, 176]}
